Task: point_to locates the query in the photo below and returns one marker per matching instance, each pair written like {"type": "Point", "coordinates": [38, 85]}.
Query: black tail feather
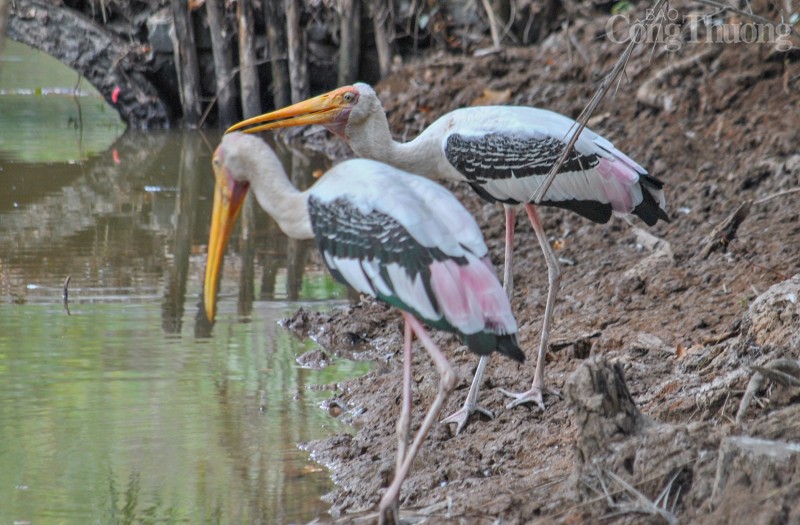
{"type": "Point", "coordinates": [649, 210]}
{"type": "Point", "coordinates": [484, 343]}
{"type": "Point", "coordinates": [508, 346]}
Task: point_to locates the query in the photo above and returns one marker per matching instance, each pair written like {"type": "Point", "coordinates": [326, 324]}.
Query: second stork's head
{"type": "Point", "coordinates": [340, 111]}
{"type": "Point", "coordinates": [230, 189]}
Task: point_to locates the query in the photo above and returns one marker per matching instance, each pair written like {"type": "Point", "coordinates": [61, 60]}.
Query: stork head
{"type": "Point", "coordinates": [336, 110]}
{"type": "Point", "coordinates": [231, 173]}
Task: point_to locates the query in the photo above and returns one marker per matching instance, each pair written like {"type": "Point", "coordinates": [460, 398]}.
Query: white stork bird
{"type": "Point", "coordinates": [392, 235]}
{"type": "Point", "coordinates": [504, 153]}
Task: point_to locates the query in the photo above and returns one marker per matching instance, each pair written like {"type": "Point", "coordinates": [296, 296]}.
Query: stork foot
{"type": "Point", "coordinates": [389, 512]}
{"type": "Point", "coordinates": [534, 395]}
{"type": "Point", "coordinates": [461, 417]}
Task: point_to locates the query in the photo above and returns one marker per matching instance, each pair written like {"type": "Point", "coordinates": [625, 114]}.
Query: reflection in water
{"type": "Point", "coordinates": [185, 211]}
{"type": "Point", "coordinates": [105, 418]}
{"type": "Point", "coordinates": [248, 243]}
{"type": "Point", "coordinates": [49, 113]}
{"type": "Point", "coordinates": [119, 220]}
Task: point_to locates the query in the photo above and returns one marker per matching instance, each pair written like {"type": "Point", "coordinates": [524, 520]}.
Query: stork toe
{"type": "Point", "coordinates": [534, 395]}
{"type": "Point", "coordinates": [461, 416]}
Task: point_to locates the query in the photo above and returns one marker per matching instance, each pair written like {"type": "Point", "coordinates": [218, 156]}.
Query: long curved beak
{"type": "Point", "coordinates": [228, 199]}
{"type": "Point", "coordinates": [322, 109]}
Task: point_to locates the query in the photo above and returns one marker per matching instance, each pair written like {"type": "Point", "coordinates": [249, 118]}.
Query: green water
{"type": "Point", "coordinates": [120, 406]}
{"type": "Point", "coordinates": [48, 113]}
{"type": "Point", "coordinates": [104, 419]}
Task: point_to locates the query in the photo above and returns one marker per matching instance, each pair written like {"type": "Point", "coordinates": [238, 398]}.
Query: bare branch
{"type": "Point", "coordinates": [774, 195]}
{"type": "Point", "coordinates": [609, 79]}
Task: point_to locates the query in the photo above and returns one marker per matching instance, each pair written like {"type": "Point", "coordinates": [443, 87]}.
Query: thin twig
{"type": "Point", "coordinates": [774, 195]}
{"type": "Point", "coordinates": [771, 370]}
{"type": "Point", "coordinates": [234, 71]}
{"type": "Point", "coordinates": [583, 118]}
{"type": "Point", "coordinates": [572, 42]}
{"type": "Point", "coordinates": [643, 504]}
{"type": "Point", "coordinates": [66, 294]}
{"type": "Point", "coordinates": [602, 497]}
{"type": "Point", "coordinates": [492, 23]}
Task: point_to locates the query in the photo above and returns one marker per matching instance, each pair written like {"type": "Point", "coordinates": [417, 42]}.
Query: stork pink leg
{"type": "Point", "coordinates": [404, 422]}
{"type": "Point", "coordinates": [461, 416]}
{"type": "Point", "coordinates": [447, 380]}
{"type": "Point", "coordinates": [537, 390]}
{"type": "Point", "coordinates": [508, 274]}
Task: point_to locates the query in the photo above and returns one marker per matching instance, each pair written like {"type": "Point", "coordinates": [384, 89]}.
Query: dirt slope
{"type": "Point", "coordinates": [683, 328]}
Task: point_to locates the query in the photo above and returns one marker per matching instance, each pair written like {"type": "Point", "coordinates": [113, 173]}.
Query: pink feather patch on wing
{"type": "Point", "coordinates": [618, 180]}
{"type": "Point", "coordinates": [471, 297]}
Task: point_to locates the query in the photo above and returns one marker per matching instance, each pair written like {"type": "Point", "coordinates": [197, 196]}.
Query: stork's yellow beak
{"type": "Point", "coordinates": [228, 199]}
{"type": "Point", "coordinates": [323, 109]}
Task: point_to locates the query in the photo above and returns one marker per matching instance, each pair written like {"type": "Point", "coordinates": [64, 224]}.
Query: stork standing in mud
{"type": "Point", "coordinates": [392, 235]}
{"type": "Point", "coordinates": [504, 153]}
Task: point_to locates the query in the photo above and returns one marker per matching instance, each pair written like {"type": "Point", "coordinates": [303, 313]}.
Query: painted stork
{"type": "Point", "coordinates": [504, 153]}
{"type": "Point", "coordinates": [392, 235]}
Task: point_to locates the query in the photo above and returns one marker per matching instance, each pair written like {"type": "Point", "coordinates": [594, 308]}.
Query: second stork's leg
{"type": "Point", "coordinates": [404, 422]}
{"type": "Point", "coordinates": [537, 390]}
{"type": "Point", "coordinates": [447, 379]}
{"type": "Point", "coordinates": [461, 416]}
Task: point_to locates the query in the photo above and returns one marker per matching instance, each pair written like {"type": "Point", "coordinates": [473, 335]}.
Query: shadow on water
{"type": "Point", "coordinates": [106, 418]}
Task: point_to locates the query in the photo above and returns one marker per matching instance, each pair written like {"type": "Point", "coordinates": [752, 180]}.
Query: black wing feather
{"type": "Point", "coordinates": [496, 156]}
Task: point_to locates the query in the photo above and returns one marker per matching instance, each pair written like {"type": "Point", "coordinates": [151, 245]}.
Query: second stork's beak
{"type": "Point", "coordinates": [229, 196]}
{"type": "Point", "coordinates": [326, 109]}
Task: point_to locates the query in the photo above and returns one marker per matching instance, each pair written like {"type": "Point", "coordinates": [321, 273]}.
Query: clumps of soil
{"type": "Point", "coordinates": [678, 331]}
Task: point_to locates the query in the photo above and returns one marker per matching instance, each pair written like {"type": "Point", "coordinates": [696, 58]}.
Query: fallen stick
{"type": "Point", "coordinates": [782, 371]}
{"type": "Point", "coordinates": [66, 294]}
{"type": "Point", "coordinates": [649, 94]}
{"type": "Point", "coordinates": [722, 235]}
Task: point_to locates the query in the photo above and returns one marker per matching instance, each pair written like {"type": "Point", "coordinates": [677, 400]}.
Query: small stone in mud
{"type": "Point", "coordinates": [315, 359]}
{"type": "Point", "coordinates": [581, 349]}
{"type": "Point", "coordinates": [335, 408]}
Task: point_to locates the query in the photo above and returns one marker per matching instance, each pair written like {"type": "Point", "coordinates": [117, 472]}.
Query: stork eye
{"type": "Point", "coordinates": [349, 96]}
{"type": "Point", "coordinates": [217, 161]}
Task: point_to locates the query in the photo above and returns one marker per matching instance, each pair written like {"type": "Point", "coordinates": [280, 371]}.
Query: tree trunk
{"type": "Point", "coordinates": [186, 63]}
{"type": "Point", "coordinates": [276, 42]}
{"type": "Point", "coordinates": [3, 18]}
{"type": "Point", "coordinates": [349, 40]}
{"type": "Point", "coordinates": [297, 52]}
{"type": "Point", "coordinates": [248, 69]}
{"type": "Point", "coordinates": [603, 407]}
{"type": "Point", "coordinates": [381, 21]}
{"type": "Point", "coordinates": [223, 62]}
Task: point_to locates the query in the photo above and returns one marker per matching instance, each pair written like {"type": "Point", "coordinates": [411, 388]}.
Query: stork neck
{"type": "Point", "coordinates": [415, 157]}
{"type": "Point", "coordinates": [372, 139]}
{"type": "Point", "coordinates": [284, 203]}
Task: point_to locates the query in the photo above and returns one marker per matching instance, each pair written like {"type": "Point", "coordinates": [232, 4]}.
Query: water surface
{"type": "Point", "coordinates": [124, 405]}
